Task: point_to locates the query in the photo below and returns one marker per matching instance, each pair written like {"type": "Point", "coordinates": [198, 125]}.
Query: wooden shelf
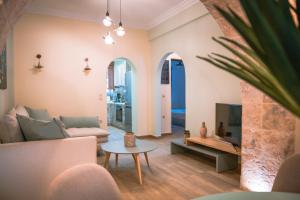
{"type": "Point", "coordinates": [215, 144]}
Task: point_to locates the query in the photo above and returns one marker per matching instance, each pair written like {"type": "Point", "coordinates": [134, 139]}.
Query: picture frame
{"type": "Point", "coordinates": [165, 73]}
{"type": "Point", "coordinates": [3, 69]}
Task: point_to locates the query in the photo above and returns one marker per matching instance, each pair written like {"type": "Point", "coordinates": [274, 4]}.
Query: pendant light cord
{"type": "Point", "coordinates": [120, 12]}
{"type": "Point", "coordinates": [107, 7]}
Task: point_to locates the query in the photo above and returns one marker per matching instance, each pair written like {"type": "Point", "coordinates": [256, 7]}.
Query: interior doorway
{"type": "Point", "coordinates": [173, 94]}
{"type": "Point", "coordinates": [119, 95]}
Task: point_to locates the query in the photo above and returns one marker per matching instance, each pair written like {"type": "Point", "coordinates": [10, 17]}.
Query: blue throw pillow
{"type": "Point", "coordinates": [39, 114]}
{"type": "Point", "coordinates": [80, 122]}
{"type": "Point", "coordinates": [40, 130]}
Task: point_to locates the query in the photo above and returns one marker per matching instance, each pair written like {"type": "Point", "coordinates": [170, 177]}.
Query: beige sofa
{"type": "Point", "coordinates": [61, 169]}
{"type": "Point", "coordinates": [27, 168]}
{"type": "Point", "coordinates": [10, 129]}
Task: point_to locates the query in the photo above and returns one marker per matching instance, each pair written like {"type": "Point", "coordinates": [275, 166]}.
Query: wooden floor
{"type": "Point", "coordinates": [176, 177]}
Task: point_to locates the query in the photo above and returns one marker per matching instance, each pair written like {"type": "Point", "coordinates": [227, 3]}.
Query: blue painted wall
{"type": "Point", "coordinates": [178, 84]}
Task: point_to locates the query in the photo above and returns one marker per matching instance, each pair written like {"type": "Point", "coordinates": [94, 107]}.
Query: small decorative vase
{"type": "Point", "coordinates": [129, 139]}
{"type": "Point", "coordinates": [203, 131]}
{"type": "Point", "coordinates": [187, 134]}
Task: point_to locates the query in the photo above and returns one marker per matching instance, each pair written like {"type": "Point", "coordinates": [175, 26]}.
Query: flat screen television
{"type": "Point", "coordinates": [229, 123]}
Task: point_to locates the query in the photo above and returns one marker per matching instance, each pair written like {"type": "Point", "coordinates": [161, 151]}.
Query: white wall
{"type": "Point", "coordinates": [62, 87]}
{"type": "Point", "coordinates": [189, 34]}
{"type": "Point", "coordinates": [7, 96]}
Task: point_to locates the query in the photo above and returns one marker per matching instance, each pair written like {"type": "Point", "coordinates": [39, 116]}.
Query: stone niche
{"type": "Point", "coordinates": [268, 130]}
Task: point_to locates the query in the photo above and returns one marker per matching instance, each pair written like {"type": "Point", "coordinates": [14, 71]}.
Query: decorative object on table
{"type": "Point", "coordinates": [203, 130]}
{"type": "Point", "coordinates": [87, 67]}
{"type": "Point", "coordinates": [3, 69]}
{"type": "Point", "coordinates": [187, 134]}
{"type": "Point", "coordinates": [38, 67]}
{"type": "Point", "coordinates": [272, 41]}
{"type": "Point", "coordinates": [129, 139]}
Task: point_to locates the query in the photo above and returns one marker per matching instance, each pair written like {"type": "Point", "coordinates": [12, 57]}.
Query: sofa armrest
{"type": "Point", "coordinates": [27, 168]}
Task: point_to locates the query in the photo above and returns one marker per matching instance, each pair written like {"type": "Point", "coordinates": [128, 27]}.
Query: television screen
{"type": "Point", "coordinates": [229, 123]}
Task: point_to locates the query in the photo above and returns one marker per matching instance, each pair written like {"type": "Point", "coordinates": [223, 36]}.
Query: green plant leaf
{"type": "Point", "coordinates": [275, 55]}
{"type": "Point", "coordinates": [271, 60]}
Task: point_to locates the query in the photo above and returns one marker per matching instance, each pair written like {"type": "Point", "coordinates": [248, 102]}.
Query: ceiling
{"type": "Point", "coordinates": [141, 14]}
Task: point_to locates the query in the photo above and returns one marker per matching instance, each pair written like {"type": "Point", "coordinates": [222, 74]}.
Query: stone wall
{"type": "Point", "coordinates": [268, 129]}
{"type": "Point", "coordinates": [10, 12]}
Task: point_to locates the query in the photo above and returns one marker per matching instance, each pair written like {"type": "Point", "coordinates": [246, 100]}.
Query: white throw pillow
{"type": "Point", "coordinates": [20, 110]}
{"type": "Point", "coordinates": [10, 130]}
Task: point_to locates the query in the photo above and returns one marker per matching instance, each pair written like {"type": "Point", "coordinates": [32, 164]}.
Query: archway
{"type": "Point", "coordinates": [120, 95]}
{"type": "Point", "coordinates": [170, 101]}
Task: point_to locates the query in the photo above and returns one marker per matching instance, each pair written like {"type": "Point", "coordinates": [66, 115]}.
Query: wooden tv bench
{"type": "Point", "coordinates": [226, 154]}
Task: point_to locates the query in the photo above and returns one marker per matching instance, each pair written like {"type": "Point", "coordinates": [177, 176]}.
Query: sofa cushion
{"type": "Point", "coordinates": [39, 114]}
{"type": "Point", "coordinates": [40, 130]}
{"type": "Point", "coordinates": [20, 110]}
{"type": "Point", "coordinates": [9, 128]}
{"type": "Point", "coordinates": [80, 122]}
{"type": "Point", "coordinates": [82, 132]}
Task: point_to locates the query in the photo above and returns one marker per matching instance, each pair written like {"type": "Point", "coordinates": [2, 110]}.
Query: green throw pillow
{"type": "Point", "coordinates": [41, 130]}
{"type": "Point", "coordinates": [80, 122]}
{"type": "Point", "coordinates": [39, 114]}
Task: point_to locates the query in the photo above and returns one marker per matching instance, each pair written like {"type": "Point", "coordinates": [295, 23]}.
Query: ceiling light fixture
{"type": "Point", "coordinates": [120, 30]}
{"type": "Point", "coordinates": [108, 39]}
{"type": "Point", "coordinates": [107, 21]}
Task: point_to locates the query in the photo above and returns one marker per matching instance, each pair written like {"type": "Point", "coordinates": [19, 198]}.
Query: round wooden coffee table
{"type": "Point", "coordinates": [118, 147]}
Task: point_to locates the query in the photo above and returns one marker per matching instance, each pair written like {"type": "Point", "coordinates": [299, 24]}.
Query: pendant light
{"type": "Point", "coordinates": [120, 30]}
{"type": "Point", "coordinates": [108, 39]}
{"type": "Point", "coordinates": [107, 21]}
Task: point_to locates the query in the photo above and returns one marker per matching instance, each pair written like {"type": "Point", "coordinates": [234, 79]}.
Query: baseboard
{"type": "Point", "coordinates": [153, 136]}
{"type": "Point", "coordinates": [145, 136]}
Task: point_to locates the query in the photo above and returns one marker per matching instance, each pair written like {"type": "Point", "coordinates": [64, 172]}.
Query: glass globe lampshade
{"type": "Point", "coordinates": [108, 39]}
{"type": "Point", "coordinates": [107, 21]}
{"type": "Point", "coordinates": [120, 30]}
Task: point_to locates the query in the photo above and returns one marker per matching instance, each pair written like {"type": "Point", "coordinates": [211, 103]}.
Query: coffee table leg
{"type": "Point", "coordinates": [107, 155]}
{"type": "Point", "coordinates": [117, 158]}
{"type": "Point", "coordinates": [133, 156]}
{"type": "Point", "coordinates": [146, 157]}
{"type": "Point", "coordinates": [138, 166]}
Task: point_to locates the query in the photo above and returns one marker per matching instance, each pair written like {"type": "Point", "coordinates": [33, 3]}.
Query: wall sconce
{"type": "Point", "coordinates": [38, 67]}
{"type": "Point", "coordinates": [87, 67]}
{"type": "Point", "coordinates": [1, 2]}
